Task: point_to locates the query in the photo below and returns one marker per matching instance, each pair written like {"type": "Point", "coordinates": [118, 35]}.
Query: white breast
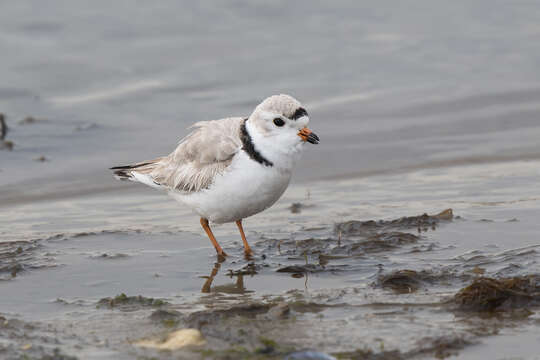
{"type": "Point", "coordinates": [244, 189]}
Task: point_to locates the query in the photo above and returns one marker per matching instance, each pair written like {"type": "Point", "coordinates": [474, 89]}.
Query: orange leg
{"type": "Point", "coordinates": [207, 286]}
{"type": "Point", "coordinates": [206, 227]}
{"type": "Point", "coordinates": [247, 249]}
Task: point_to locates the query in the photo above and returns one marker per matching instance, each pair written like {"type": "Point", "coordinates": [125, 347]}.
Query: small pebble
{"type": "Point", "coordinates": [41, 159]}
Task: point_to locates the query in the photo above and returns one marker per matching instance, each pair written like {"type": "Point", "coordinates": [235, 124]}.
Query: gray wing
{"type": "Point", "coordinates": [200, 156]}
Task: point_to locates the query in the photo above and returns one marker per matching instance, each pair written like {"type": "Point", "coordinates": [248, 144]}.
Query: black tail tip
{"type": "Point", "coordinates": [121, 174]}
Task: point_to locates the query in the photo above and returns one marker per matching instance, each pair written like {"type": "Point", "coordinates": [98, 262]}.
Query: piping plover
{"type": "Point", "coordinates": [226, 170]}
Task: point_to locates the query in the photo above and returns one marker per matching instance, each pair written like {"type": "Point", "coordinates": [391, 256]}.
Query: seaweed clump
{"type": "Point", "coordinates": [201, 318]}
{"type": "Point", "coordinates": [421, 223]}
{"type": "Point", "coordinates": [130, 302]}
{"type": "Point", "coordinates": [408, 281]}
{"type": "Point", "coordinates": [383, 241]}
{"type": "Point", "coordinates": [401, 281]}
{"type": "Point", "coordinates": [297, 207]}
{"type": "Point", "coordinates": [19, 256]}
{"type": "Point", "coordinates": [487, 294]}
{"type": "Point", "coordinates": [4, 144]}
{"type": "Point", "coordinates": [3, 127]}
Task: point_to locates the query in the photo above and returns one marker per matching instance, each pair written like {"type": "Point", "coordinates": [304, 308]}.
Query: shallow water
{"type": "Point", "coordinates": [419, 108]}
{"type": "Point", "coordinates": [126, 248]}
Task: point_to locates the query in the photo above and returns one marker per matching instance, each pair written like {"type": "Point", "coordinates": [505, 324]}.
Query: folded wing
{"type": "Point", "coordinates": [207, 151]}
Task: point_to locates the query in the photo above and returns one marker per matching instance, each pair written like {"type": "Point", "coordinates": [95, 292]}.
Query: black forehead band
{"type": "Point", "coordinates": [299, 113]}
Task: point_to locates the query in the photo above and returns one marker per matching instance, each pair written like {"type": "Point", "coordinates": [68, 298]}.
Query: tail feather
{"type": "Point", "coordinates": [126, 172]}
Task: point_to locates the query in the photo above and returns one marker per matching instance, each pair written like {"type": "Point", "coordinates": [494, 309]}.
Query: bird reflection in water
{"type": "Point", "coordinates": [236, 287]}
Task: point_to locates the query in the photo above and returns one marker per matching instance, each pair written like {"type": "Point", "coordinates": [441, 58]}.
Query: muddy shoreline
{"type": "Point", "coordinates": [420, 107]}
{"type": "Point", "coordinates": [309, 296]}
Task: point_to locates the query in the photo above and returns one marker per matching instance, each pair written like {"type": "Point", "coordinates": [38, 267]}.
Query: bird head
{"type": "Point", "coordinates": [284, 120]}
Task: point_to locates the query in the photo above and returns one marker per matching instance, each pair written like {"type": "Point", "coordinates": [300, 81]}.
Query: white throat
{"type": "Point", "coordinates": [282, 151]}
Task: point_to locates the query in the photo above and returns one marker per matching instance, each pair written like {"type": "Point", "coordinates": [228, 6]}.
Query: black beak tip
{"type": "Point", "coordinates": [313, 138]}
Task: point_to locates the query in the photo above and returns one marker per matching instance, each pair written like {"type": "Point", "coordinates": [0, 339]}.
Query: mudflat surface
{"type": "Point", "coordinates": [337, 269]}
{"type": "Point", "coordinates": [420, 108]}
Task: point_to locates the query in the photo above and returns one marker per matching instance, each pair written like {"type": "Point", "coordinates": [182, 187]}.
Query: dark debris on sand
{"type": "Point", "coordinates": [356, 239]}
{"type": "Point", "coordinates": [487, 294]}
{"type": "Point", "coordinates": [383, 241]}
{"type": "Point", "coordinates": [373, 243]}
{"type": "Point", "coordinates": [114, 256]}
{"type": "Point", "coordinates": [127, 303]}
{"type": "Point", "coordinates": [30, 120]}
{"type": "Point", "coordinates": [250, 310]}
{"type": "Point", "coordinates": [401, 281]}
{"type": "Point", "coordinates": [409, 281]}
{"type": "Point", "coordinates": [3, 127]}
{"type": "Point", "coordinates": [311, 268]}
{"type": "Point", "coordinates": [366, 228]}
{"type": "Point", "coordinates": [297, 207]}
{"type": "Point", "coordinates": [19, 256]}
{"type": "Point", "coordinates": [41, 158]}
{"type": "Point", "coordinates": [373, 235]}
{"type": "Point", "coordinates": [250, 268]}
{"type": "Point", "coordinates": [4, 144]}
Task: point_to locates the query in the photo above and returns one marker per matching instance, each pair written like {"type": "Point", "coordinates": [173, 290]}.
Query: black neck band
{"type": "Point", "coordinates": [249, 148]}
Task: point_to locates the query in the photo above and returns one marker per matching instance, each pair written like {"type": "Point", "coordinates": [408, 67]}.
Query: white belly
{"type": "Point", "coordinates": [244, 189]}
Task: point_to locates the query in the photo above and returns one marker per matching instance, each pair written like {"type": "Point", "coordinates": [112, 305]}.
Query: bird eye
{"type": "Point", "coordinates": [279, 122]}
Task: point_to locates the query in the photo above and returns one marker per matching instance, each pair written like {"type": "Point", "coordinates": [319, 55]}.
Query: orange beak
{"type": "Point", "coordinates": [308, 135]}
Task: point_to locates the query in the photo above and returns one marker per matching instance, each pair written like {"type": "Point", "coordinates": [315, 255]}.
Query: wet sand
{"type": "Point", "coordinates": [338, 270]}
{"type": "Point", "coordinates": [420, 108]}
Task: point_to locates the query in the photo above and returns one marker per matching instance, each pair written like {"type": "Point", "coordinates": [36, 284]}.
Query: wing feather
{"type": "Point", "coordinates": [200, 156]}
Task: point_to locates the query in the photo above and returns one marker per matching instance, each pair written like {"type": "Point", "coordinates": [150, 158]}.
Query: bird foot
{"type": "Point", "coordinates": [248, 254]}
{"type": "Point", "coordinates": [221, 256]}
